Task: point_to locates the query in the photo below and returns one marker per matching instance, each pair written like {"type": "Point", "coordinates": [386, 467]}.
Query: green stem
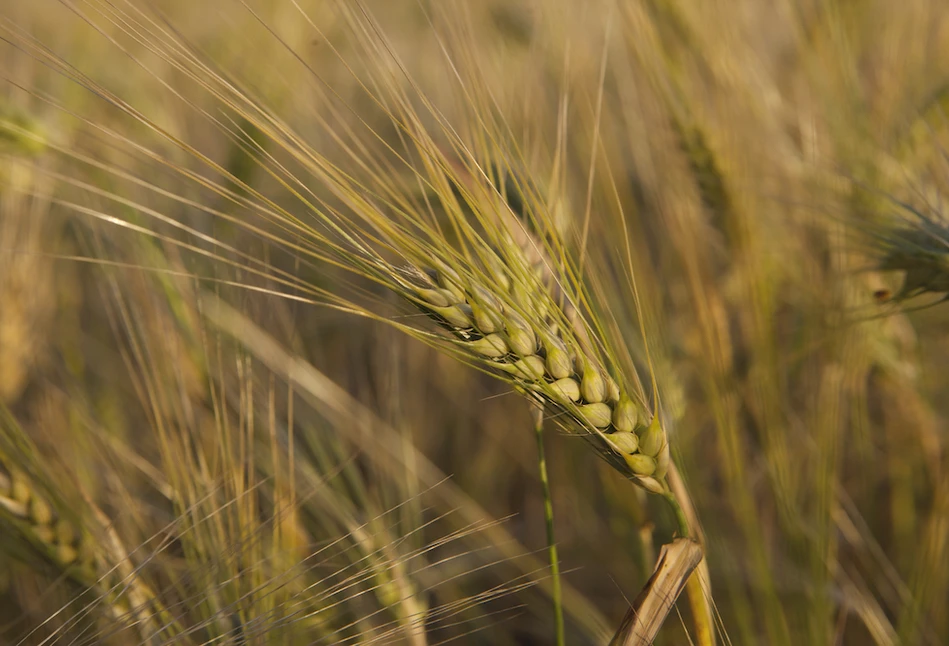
{"type": "Point", "coordinates": [681, 520]}
{"type": "Point", "coordinates": [704, 625]}
{"type": "Point", "coordinates": [549, 518]}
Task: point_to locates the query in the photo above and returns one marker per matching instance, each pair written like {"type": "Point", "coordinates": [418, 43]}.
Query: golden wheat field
{"type": "Point", "coordinates": [514, 322]}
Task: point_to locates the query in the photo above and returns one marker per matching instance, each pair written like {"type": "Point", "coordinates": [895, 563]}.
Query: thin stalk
{"type": "Point", "coordinates": [549, 518]}
{"type": "Point", "coordinates": [681, 520]}
{"type": "Point", "coordinates": [702, 615]}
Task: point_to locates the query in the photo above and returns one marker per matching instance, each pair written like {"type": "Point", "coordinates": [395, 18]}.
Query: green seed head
{"type": "Point", "coordinates": [565, 390]}
{"type": "Point", "coordinates": [597, 414]}
{"type": "Point", "coordinates": [449, 280]}
{"type": "Point", "coordinates": [650, 484]}
{"type": "Point", "coordinates": [529, 368]}
{"type": "Point", "coordinates": [626, 443]}
{"type": "Point", "coordinates": [641, 465]}
{"type": "Point", "coordinates": [486, 310]}
{"type": "Point", "coordinates": [559, 364]}
{"type": "Point", "coordinates": [485, 319]}
{"type": "Point", "coordinates": [625, 415]}
{"type": "Point", "coordinates": [521, 337]}
{"type": "Point", "coordinates": [491, 346]}
{"type": "Point", "coordinates": [652, 438]}
{"type": "Point", "coordinates": [433, 297]}
{"type": "Point", "coordinates": [458, 316]}
{"type": "Point", "coordinates": [511, 341]}
{"type": "Point", "coordinates": [450, 296]}
{"type": "Point", "coordinates": [592, 385]}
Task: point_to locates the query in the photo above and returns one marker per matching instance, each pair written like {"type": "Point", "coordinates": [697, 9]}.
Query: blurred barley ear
{"type": "Point", "coordinates": [76, 539]}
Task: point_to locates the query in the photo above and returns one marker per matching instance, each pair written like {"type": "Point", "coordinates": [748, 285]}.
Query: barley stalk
{"type": "Point", "coordinates": [549, 523]}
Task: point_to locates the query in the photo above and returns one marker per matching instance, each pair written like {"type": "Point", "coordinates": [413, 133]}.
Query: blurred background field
{"type": "Point", "coordinates": [195, 450]}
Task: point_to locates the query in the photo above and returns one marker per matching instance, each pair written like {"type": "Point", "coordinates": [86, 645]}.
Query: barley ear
{"type": "Point", "coordinates": [63, 535]}
{"type": "Point", "coordinates": [542, 358]}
